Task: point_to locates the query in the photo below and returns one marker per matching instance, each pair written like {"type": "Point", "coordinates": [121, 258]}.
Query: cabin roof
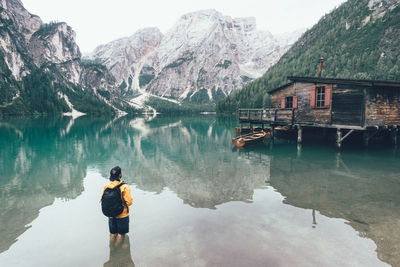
{"type": "Point", "coordinates": [316, 80]}
{"type": "Point", "coordinates": [280, 87]}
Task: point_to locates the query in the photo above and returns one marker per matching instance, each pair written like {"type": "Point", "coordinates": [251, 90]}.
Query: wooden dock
{"type": "Point", "coordinates": [369, 106]}
{"type": "Point", "coordinates": [276, 117]}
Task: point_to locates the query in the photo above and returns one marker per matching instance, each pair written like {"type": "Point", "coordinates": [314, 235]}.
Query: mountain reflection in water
{"type": "Point", "coordinates": [47, 159]}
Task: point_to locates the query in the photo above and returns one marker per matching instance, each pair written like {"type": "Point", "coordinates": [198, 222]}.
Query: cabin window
{"type": "Point", "coordinates": [289, 102]}
{"type": "Point", "coordinates": [320, 97]}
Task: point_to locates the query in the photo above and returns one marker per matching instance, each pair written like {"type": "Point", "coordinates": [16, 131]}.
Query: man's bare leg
{"type": "Point", "coordinates": [113, 237]}
{"type": "Point", "coordinates": [120, 239]}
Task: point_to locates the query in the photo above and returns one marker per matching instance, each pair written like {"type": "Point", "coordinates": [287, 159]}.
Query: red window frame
{"type": "Point", "coordinates": [285, 102]}
{"type": "Point", "coordinates": [320, 96]}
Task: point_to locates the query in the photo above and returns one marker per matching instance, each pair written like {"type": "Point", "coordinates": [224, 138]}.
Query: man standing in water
{"type": "Point", "coordinates": [118, 224]}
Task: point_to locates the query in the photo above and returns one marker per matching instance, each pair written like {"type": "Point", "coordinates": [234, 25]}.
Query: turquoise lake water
{"type": "Point", "coordinates": [198, 201]}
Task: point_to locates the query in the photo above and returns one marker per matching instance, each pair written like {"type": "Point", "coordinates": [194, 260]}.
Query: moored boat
{"type": "Point", "coordinates": [282, 128]}
{"type": "Point", "coordinates": [247, 129]}
{"type": "Point", "coordinates": [249, 139]}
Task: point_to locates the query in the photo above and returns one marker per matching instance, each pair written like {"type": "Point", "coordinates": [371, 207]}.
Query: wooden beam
{"type": "Point", "coordinates": [271, 115]}
{"type": "Point", "coordinates": [347, 127]}
{"type": "Point", "coordinates": [347, 134]}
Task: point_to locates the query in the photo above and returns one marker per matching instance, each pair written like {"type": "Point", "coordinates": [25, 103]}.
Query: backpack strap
{"type": "Point", "coordinates": [118, 186]}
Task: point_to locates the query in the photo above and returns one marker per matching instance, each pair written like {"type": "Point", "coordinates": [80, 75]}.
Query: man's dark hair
{"type": "Point", "coordinates": [114, 173]}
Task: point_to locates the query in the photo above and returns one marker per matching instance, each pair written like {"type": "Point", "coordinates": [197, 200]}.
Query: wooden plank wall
{"type": "Point", "coordinates": [284, 115]}
{"type": "Point", "coordinates": [382, 106]}
{"type": "Point", "coordinates": [277, 96]}
{"type": "Point", "coordinates": [347, 105]}
{"type": "Point", "coordinates": [303, 113]}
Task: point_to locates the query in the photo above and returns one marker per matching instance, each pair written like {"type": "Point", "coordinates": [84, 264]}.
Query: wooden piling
{"type": "Point", "coordinates": [298, 150]}
{"type": "Point", "coordinates": [394, 133]}
{"type": "Point", "coordinates": [339, 138]}
{"type": "Point", "coordinates": [366, 137]}
{"type": "Point", "coordinates": [272, 132]}
{"type": "Point", "coordinates": [299, 134]}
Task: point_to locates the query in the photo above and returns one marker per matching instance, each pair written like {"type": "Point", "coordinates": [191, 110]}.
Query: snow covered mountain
{"type": "Point", "coordinates": [125, 57]}
{"type": "Point", "coordinates": [41, 69]}
{"type": "Point", "coordinates": [204, 57]}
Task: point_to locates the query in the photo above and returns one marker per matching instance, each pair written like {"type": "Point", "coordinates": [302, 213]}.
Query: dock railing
{"type": "Point", "coordinates": [266, 115]}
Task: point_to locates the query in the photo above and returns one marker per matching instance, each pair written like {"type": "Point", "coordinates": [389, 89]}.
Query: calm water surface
{"type": "Point", "coordinates": [197, 200]}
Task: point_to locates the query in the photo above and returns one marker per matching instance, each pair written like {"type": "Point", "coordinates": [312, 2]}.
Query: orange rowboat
{"type": "Point", "coordinates": [249, 139]}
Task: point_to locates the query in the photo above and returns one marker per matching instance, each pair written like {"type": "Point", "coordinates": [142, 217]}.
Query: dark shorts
{"type": "Point", "coordinates": [118, 226]}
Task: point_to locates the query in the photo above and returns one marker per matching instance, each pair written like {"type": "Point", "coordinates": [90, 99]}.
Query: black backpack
{"type": "Point", "coordinates": [111, 201]}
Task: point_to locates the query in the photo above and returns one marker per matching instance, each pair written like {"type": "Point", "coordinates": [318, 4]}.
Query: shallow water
{"type": "Point", "coordinates": [197, 200]}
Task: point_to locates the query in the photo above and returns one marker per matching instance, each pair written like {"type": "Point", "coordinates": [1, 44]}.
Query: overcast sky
{"type": "Point", "coordinates": [100, 21]}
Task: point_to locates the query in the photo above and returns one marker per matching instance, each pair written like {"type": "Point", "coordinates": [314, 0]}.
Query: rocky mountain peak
{"type": "Point", "coordinates": [210, 14]}
{"type": "Point", "coordinates": [54, 42]}
{"type": "Point", "coordinates": [125, 57]}
{"type": "Point", "coordinates": [213, 16]}
{"type": "Point", "coordinates": [245, 24]}
{"type": "Point", "coordinates": [202, 58]}
{"type": "Point", "coordinates": [27, 23]}
{"type": "Point", "coordinates": [41, 69]}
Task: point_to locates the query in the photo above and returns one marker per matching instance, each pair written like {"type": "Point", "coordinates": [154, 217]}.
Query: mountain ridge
{"type": "Point", "coordinates": [201, 59]}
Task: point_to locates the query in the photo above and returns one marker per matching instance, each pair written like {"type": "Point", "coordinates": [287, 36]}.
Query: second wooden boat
{"type": "Point", "coordinates": [249, 139]}
{"type": "Point", "coordinates": [247, 130]}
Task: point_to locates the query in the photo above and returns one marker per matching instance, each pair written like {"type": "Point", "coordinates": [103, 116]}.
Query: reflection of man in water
{"type": "Point", "coordinates": [120, 255]}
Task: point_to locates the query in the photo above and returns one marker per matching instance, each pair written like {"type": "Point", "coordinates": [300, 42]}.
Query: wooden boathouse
{"type": "Point", "coordinates": [344, 105]}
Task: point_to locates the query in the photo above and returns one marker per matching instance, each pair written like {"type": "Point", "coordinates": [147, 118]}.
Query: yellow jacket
{"type": "Point", "coordinates": [126, 196]}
